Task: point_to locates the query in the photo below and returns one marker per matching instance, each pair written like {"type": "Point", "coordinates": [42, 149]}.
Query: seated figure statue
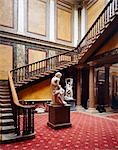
{"type": "Point", "coordinates": [57, 90]}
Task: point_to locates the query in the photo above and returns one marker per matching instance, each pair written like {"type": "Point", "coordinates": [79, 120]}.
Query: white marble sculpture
{"type": "Point", "coordinates": [57, 90]}
{"type": "Point", "coordinates": [69, 88]}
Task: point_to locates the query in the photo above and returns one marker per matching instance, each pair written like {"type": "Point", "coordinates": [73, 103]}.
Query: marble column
{"type": "Point", "coordinates": [83, 22]}
{"type": "Point", "coordinates": [21, 18]}
{"type": "Point", "coordinates": [52, 21]}
{"type": "Point", "coordinates": [76, 26]}
{"type": "Point", "coordinates": [91, 88]}
{"type": "Point", "coordinates": [79, 88]}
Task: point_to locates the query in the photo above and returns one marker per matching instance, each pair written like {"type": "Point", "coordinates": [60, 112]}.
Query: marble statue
{"type": "Point", "coordinates": [69, 88]}
{"type": "Point", "coordinates": [57, 90]}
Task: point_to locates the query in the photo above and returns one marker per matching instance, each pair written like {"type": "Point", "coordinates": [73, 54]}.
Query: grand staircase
{"type": "Point", "coordinates": [11, 109]}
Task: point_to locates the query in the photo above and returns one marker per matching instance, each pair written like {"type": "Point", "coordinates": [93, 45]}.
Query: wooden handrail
{"type": "Point", "coordinates": [27, 112]}
{"type": "Point", "coordinates": [14, 94]}
{"type": "Point", "coordinates": [44, 59]}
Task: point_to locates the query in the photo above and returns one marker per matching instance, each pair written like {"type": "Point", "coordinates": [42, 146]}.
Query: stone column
{"type": "Point", "coordinates": [107, 84]}
{"type": "Point", "coordinates": [91, 88]}
{"type": "Point", "coordinates": [79, 88]}
{"type": "Point", "coordinates": [76, 26]}
{"type": "Point", "coordinates": [21, 19]}
{"type": "Point", "coordinates": [52, 19]}
{"type": "Point", "coordinates": [83, 22]}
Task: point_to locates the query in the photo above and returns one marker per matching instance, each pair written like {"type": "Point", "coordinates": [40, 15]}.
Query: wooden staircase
{"type": "Point", "coordinates": [13, 123]}
{"type": "Point", "coordinates": [11, 109]}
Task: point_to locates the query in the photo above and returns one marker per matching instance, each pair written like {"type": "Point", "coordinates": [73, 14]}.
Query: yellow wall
{"type": "Point", "coordinates": [38, 91]}
{"type": "Point", "coordinates": [111, 44]}
{"type": "Point", "coordinates": [94, 11]}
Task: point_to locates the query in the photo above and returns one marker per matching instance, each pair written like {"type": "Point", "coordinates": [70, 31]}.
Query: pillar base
{"type": "Point", "coordinates": [80, 108]}
{"type": "Point", "coordinates": [91, 110]}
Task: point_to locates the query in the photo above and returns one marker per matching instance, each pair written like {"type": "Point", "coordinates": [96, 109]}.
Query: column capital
{"type": "Point", "coordinates": [91, 64]}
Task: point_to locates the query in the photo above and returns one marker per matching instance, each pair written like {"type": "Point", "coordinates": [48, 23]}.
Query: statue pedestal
{"type": "Point", "coordinates": [59, 116]}
{"type": "Point", "coordinates": [71, 102]}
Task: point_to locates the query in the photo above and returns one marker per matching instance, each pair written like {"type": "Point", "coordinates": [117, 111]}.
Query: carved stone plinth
{"type": "Point", "coordinates": [59, 116]}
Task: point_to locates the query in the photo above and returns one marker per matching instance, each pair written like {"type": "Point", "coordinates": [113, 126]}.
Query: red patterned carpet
{"type": "Point", "coordinates": [87, 133]}
{"type": "Point", "coordinates": [113, 116]}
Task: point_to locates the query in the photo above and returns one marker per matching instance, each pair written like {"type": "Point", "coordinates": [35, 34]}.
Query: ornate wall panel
{"type": "Point", "coordinates": [35, 55]}
{"type": "Point", "coordinates": [6, 60]}
{"type": "Point", "coordinates": [64, 21]}
{"type": "Point", "coordinates": [94, 11]}
{"type": "Point", "coordinates": [8, 15]}
{"type": "Point", "coordinates": [37, 14]}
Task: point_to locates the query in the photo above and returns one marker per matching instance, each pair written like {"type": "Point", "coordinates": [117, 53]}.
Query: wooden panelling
{"type": "Point", "coordinates": [111, 44]}
{"type": "Point", "coordinates": [37, 16]}
{"type": "Point", "coordinates": [64, 22]}
{"type": "Point", "coordinates": [94, 11]}
{"type": "Point", "coordinates": [6, 60]}
{"type": "Point", "coordinates": [35, 55]}
{"type": "Point", "coordinates": [38, 91]}
{"type": "Point", "coordinates": [7, 13]}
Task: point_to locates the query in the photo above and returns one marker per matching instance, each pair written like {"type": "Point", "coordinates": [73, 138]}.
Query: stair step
{"type": "Point", "coordinates": [49, 71]}
{"type": "Point", "coordinates": [5, 106]}
{"type": "Point", "coordinates": [4, 87]}
{"type": "Point", "coordinates": [7, 129]}
{"type": "Point", "coordinates": [60, 68]}
{"type": "Point", "coordinates": [3, 82]}
{"type": "Point", "coordinates": [39, 76]}
{"type": "Point", "coordinates": [4, 93]}
{"type": "Point", "coordinates": [6, 110]}
{"type": "Point", "coordinates": [44, 73]}
{"type": "Point", "coordinates": [34, 78]}
{"type": "Point", "coordinates": [28, 80]}
{"type": "Point", "coordinates": [9, 136]}
{"type": "Point", "coordinates": [4, 97]}
{"type": "Point", "coordinates": [6, 116]}
{"type": "Point", "coordinates": [18, 85]}
{"type": "Point", "coordinates": [4, 90]}
{"type": "Point", "coordinates": [7, 122]}
{"type": "Point", "coordinates": [5, 101]}
{"type": "Point", "coordinates": [22, 82]}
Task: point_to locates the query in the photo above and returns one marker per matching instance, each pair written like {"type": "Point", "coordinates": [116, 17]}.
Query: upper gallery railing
{"type": "Point", "coordinates": [36, 68]}
{"type": "Point", "coordinates": [99, 25]}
